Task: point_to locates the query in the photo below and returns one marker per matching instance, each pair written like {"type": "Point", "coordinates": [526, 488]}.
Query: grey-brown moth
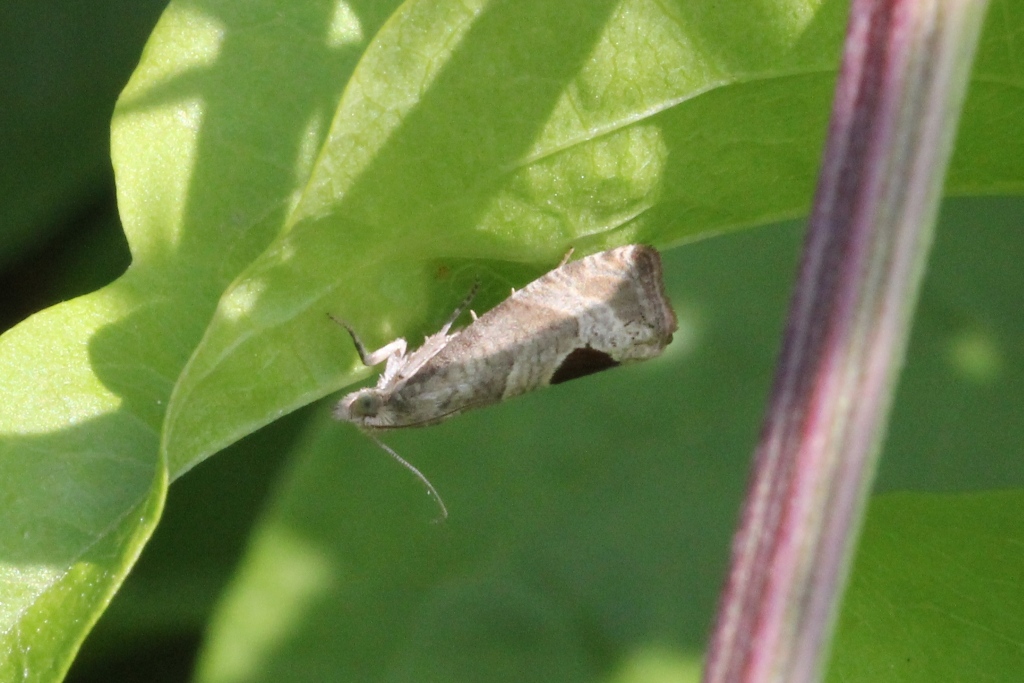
{"type": "Point", "coordinates": [585, 316]}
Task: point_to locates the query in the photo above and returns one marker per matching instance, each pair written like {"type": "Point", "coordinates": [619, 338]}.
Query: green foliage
{"type": "Point", "coordinates": [279, 161]}
{"type": "Point", "coordinates": [940, 576]}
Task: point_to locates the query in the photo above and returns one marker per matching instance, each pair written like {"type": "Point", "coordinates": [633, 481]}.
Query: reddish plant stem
{"type": "Point", "coordinates": [897, 103]}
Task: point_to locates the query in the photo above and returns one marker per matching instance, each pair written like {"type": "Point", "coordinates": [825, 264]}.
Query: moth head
{"type": "Point", "coordinates": [358, 406]}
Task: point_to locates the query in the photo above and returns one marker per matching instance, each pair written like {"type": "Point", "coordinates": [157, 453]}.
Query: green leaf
{"type": "Point", "coordinates": [506, 131]}
{"type": "Point", "coordinates": [599, 124]}
{"type": "Point", "coordinates": [86, 383]}
{"type": "Point", "coordinates": [277, 161]}
{"type": "Point", "coordinates": [172, 590]}
{"type": "Point", "coordinates": [936, 591]}
{"type": "Point", "coordinates": [82, 487]}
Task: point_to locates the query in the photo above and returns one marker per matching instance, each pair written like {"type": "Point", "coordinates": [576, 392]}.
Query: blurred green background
{"type": "Point", "coordinates": [546, 558]}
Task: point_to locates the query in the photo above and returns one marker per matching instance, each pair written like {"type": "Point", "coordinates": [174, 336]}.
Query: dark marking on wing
{"type": "Point", "coordinates": [582, 362]}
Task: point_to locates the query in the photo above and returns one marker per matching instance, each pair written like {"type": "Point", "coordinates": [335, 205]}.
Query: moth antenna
{"type": "Point", "coordinates": [568, 255]}
{"type": "Point", "coordinates": [462, 306]}
{"type": "Point", "coordinates": [419, 475]}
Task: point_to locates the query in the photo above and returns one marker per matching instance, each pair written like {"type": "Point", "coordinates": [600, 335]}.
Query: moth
{"type": "Point", "coordinates": [598, 312]}
{"type": "Point", "coordinates": [582, 317]}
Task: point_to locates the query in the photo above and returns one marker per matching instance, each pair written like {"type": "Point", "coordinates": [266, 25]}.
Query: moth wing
{"type": "Point", "coordinates": [409, 365]}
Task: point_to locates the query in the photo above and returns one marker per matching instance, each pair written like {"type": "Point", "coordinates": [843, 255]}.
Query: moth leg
{"type": "Point", "coordinates": [565, 259]}
{"type": "Point", "coordinates": [462, 306]}
{"type": "Point", "coordinates": [395, 348]}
